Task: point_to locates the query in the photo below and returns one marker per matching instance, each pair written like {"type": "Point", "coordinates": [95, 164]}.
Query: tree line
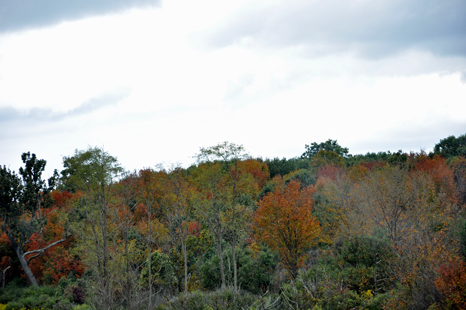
{"type": "Point", "coordinates": [325, 230]}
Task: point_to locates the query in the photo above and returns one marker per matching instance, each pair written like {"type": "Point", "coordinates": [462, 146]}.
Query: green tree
{"type": "Point", "coordinates": [363, 262]}
{"type": "Point", "coordinates": [324, 158]}
{"type": "Point", "coordinates": [22, 208]}
{"type": "Point", "coordinates": [395, 158]}
{"type": "Point", "coordinates": [255, 272]}
{"type": "Point", "coordinates": [93, 172]}
{"type": "Point", "coordinates": [163, 275]}
{"type": "Point", "coordinates": [329, 145]}
{"type": "Point", "coordinates": [285, 166]}
{"type": "Point", "coordinates": [451, 146]}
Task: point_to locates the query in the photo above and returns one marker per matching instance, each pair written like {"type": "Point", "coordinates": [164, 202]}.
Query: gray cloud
{"type": "Point", "coordinates": [372, 29]}
{"type": "Point", "coordinates": [10, 114]}
{"type": "Point", "coordinates": [24, 14]}
{"type": "Point", "coordinates": [410, 138]}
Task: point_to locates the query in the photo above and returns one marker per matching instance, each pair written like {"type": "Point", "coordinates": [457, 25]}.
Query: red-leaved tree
{"type": "Point", "coordinates": [452, 283]}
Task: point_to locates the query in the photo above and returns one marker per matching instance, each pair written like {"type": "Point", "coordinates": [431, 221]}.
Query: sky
{"type": "Point", "coordinates": [152, 81]}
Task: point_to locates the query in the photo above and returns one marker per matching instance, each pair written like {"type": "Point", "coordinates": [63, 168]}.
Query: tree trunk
{"type": "Point", "coordinates": [21, 259]}
{"type": "Point", "coordinates": [220, 256]}
{"type": "Point", "coordinates": [185, 257]}
{"type": "Point", "coordinates": [106, 278]}
{"type": "Point", "coordinates": [26, 268]}
{"type": "Point", "coordinates": [4, 276]}
{"type": "Point", "coordinates": [233, 253]}
{"type": "Point", "coordinates": [149, 239]}
{"type": "Point", "coordinates": [129, 286]}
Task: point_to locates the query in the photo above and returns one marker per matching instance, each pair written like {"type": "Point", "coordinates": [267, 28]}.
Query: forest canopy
{"type": "Point", "coordinates": [323, 230]}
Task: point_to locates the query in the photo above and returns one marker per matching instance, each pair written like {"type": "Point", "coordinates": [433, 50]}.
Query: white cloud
{"type": "Point", "coordinates": [181, 94]}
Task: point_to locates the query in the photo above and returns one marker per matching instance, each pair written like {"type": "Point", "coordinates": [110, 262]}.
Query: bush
{"type": "Point", "coordinates": [62, 297]}
{"type": "Point", "coordinates": [362, 260]}
{"type": "Point", "coordinates": [82, 307]}
{"type": "Point", "coordinates": [255, 274]}
{"type": "Point", "coordinates": [76, 293]}
{"type": "Point", "coordinates": [162, 272]}
{"type": "Point", "coordinates": [36, 297]}
{"type": "Point", "coordinates": [318, 288]}
{"type": "Point", "coordinates": [225, 299]}
{"type": "Point", "coordinates": [11, 292]}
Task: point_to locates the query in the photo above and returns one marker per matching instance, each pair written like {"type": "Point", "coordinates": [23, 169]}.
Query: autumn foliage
{"type": "Point", "coordinates": [284, 222]}
{"type": "Point", "coordinates": [440, 172]}
{"type": "Point", "coordinates": [375, 231]}
{"type": "Point", "coordinates": [452, 284]}
{"type": "Point", "coordinates": [59, 261]}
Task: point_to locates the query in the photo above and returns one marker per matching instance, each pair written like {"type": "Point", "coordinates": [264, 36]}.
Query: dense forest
{"type": "Point", "coordinates": [323, 230]}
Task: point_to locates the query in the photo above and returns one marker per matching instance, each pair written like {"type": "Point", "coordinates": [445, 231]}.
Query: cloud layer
{"type": "Point", "coordinates": [10, 114]}
{"type": "Point", "coordinates": [26, 14]}
{"type": "Point", "coordinates": [369, 29]}
{"type": "Point", "coordinates": [153, 84]}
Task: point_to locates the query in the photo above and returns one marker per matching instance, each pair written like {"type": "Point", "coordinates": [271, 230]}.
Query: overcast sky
{"type": "Point", "coordinates": [153, 81]}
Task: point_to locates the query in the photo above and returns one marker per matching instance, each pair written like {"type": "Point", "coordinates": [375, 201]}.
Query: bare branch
{"type": "Point", "coordinates": [41, 251]}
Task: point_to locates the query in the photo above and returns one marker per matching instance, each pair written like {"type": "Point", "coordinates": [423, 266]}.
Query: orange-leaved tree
{"type": "Point", "coordinates": [284, 222]}
{"type": "Point", "coordinates": [440, 172]}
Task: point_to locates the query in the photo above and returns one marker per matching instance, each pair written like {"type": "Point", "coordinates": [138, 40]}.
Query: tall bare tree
{"type": "Point", "coordinates": [128, 252]}
{"type": "Point", "coordinates": [405, 206]}
{"type": "Point", "coordinates": [179, 212]}
{"type": "Point", "coordinates": [93, 172]}
{"type": "Point", "coordinates": [221, 185]}
{"type": "Point", "coordinates": [151, 193]}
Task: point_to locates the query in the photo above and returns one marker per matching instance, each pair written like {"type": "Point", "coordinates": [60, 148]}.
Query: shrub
{"type": "Point", "coordinates": [162, 272]}
{"type": "Point", "coordinates": [76, 293]}
{"type": "Point", "coordinates": [225, 299]}
{"type": "Point", "coordinates": [11, 292]}
{"type": "Point", "coordinates": [82, 307]}
{"type": "Point", "coordinates": [255, 274]}
{"type": "Point", "coordinates": [62, 297]}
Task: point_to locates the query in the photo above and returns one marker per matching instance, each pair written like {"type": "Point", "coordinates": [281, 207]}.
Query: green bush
{"type": "Point", "coordinates": [11, 292]}
{"type": "Point", "coordinates": [360, 260]}
{"type": "Point", "coordinates": [63, 296]}
{"type": "Point", "coordinates": [162, 272]}
{"type": "Point", "coordinates": [82, 307]}
{"type": "Point", "coordinates": [319, 288]}
{"type": "Point", "coordinates": [225, 299]}
{"type": "Point", "coordinates": [255, 274]}
{"type": "Point", "coordinates": [36, 297]}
